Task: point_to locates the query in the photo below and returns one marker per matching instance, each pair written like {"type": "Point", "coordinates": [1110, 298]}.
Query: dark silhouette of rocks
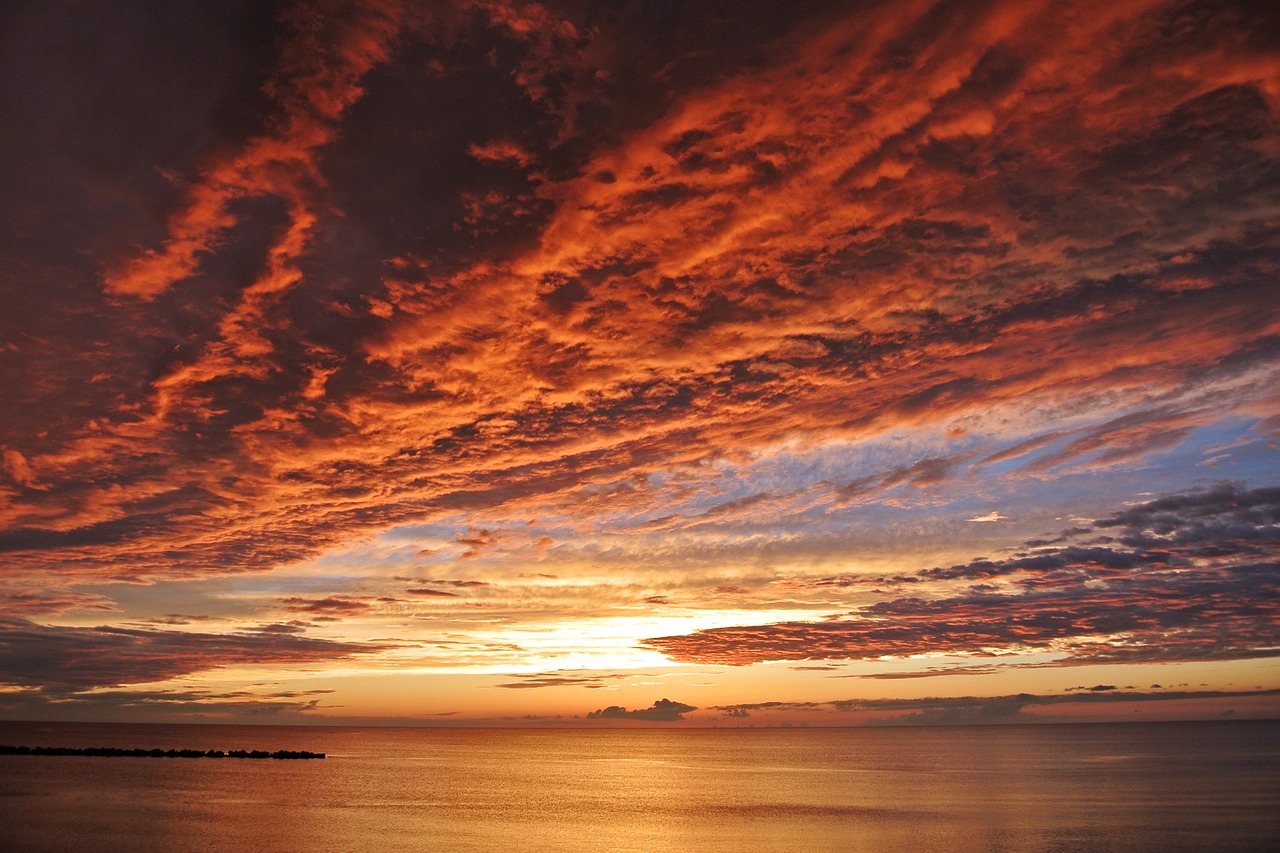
{"type": "Point", "coordinates": [113, 752]}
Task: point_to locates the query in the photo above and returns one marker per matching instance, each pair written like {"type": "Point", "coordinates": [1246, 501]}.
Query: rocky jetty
{"type": "Point", "coordinates": [113, 752]}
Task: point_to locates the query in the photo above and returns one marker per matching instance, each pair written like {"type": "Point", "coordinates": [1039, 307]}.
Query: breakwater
{"type": "Point", "coordinates": [113, 752]}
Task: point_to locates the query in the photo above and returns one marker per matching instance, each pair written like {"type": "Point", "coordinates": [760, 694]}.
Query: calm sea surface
{"type": "Point", "coordinates": [1154, 787]}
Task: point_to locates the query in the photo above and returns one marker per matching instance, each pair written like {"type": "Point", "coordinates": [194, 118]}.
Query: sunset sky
{"type": "Point", "coordinates": [486, 362]}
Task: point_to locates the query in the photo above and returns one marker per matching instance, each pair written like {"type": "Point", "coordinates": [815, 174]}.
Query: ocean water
{"type": "Point", "coordinates": [1132, 787]}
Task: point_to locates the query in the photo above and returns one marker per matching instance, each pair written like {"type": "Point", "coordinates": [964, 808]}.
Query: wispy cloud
{"type": "Point", "coordinates": [563, 679]}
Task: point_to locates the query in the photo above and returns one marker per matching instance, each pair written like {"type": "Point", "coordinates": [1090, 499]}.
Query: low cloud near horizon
{"type": "Point", "coordinates": [661, 711]}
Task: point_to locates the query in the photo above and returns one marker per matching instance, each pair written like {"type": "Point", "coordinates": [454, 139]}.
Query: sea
{"type": "Point", "coordinates": [1204, 786]}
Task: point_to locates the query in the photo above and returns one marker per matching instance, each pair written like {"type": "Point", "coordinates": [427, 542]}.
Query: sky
{"type": "Point", "coordinates": [639, 363]}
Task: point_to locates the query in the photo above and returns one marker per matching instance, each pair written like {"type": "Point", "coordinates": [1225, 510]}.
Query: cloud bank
{"type": "Point", "coordinates": [1187, 577]}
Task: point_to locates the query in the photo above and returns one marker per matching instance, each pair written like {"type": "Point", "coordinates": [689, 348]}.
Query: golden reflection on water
{"type": "Point", "coordinates": [1120, 788]}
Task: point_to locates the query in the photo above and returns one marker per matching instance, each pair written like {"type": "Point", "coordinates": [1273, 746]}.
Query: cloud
{"type": "Point", "coordinates": [977, 669]}
{"type": "Point", "coordinates": [463, 584]}
{"type": "Point", "coordinates": [177, 619]}
{"type": "Point", "coordinates": [557, 679]}
{"type": "Point", "coordinates": [989, 517]}
{"type": "Point", "coordinates": [1002, 709]}
{"type": "Point", "coordinates": [166, 705]}
{"type": "Point", "coordinates": [330, 606]}
{"type": "Point", "coordinates": [1188, 577]}
{"type": "Point", "coordinates": [923, 473]}
{"type": "Point", "coordinates": [308, 330]}
{"type": "Point", "coordinates": [70, 660]}
{"type": "Point", "coordinates": [664, 710]}
{"type": "Point", "coordinates": [967, 710]}
{"type": "Point", "coordinates": [323, 62]}
{"type": "Point", "coordinates": [18, 468]}
{"type": "Point", "coordinates": [1227, 511]}
{"type": "Point", "coordinates": [41, 603]}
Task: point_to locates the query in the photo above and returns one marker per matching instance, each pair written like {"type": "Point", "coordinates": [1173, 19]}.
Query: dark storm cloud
{"type": "Point", "coordinates": [68, 660]}
{"type": "Point", "coordinates": [1159, 592]}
